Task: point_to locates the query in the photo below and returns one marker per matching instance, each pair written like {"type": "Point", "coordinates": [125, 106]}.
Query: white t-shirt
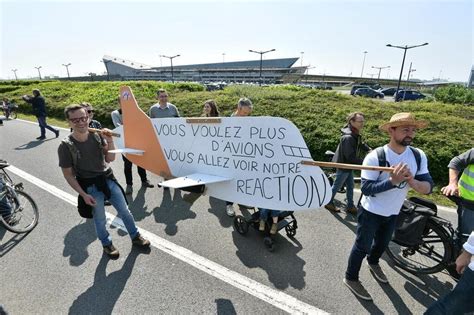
{"type": "Point", "coordinates": [389, 202]}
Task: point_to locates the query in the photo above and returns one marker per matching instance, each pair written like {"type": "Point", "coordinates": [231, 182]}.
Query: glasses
{"type": "Point", "coordinates": [90, 111]}
{"type": "Point", "coordinates": [79, 119]}
{"type": "Point", "coordinates": [163, 96]}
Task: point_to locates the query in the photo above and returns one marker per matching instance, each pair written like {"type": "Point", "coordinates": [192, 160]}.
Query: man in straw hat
{"type": "Point", "coordinates": [383, 196]}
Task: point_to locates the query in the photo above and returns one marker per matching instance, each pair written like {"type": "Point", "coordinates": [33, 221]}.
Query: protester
{"type": "Point", "coordinates": [39, 108]}
{"type": "Point", "coordinates": [383, 196]}
{"type": "Point", "coordinates": [264, 213]}
{"type": "Point", "coordinates": [210, 109]}
{"type": "Point", "coordinates": [460, 299]}
{"type": "Point", "coordinates": [244, 108]}
{"type": "Point", "coordinates": [127, 165]}
{"type": "Point", "coordinates": [163, 109]}
{"type": "Point", "coordinates": [6, 104]}
{"type": "Point", "coordinates": [350, 150]}
{"type": "Point", "coordinates": [83, 158]}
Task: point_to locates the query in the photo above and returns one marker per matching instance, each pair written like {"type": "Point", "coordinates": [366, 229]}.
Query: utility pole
{"type": "Point", "coordinates": [261, 59]}
{"type": "Point", "coordinates": [363, 64]}
{"type": "Point", "coordinates": [67, 69]}
{"type": "Point", "coordinates": [14, 71]}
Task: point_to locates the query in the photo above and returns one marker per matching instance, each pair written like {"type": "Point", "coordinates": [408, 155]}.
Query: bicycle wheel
{"type": "Point", "coordinates": [13, 114]}
{"type": "Point", "coordinates": [431, 256]}
{"type": "Point", "coordinates": [24, 217]}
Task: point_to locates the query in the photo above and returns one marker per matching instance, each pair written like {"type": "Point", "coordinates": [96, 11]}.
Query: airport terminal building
{"type": "Point", "coordinates": [272, 71]}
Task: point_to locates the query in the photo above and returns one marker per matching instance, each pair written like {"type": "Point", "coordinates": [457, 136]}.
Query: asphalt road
{"type": "Point", "coordinates": [197, 264]}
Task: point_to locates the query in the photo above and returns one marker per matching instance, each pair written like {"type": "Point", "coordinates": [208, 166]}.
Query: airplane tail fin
{"type": "Point", "coordinates": [139, 134]}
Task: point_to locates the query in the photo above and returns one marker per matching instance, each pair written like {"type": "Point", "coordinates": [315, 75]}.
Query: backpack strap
{"type": "Point", "coordinates": [383, 160]}
{"type": "Point", "coordinates": [75, 154]}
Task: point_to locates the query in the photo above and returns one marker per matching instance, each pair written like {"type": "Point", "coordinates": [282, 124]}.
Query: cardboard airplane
{"type": "Point", "coordinates": [254, 161]}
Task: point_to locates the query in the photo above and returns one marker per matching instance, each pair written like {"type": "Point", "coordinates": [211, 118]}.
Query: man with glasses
{"type": "Point", "coordinates": [383, 196]}
{"type": "Point", "coordinates": [84, 158]}
{"type": "Point", "coordinates": [350, 150]}
{"type": "Point", "coordinates": [163, 109]}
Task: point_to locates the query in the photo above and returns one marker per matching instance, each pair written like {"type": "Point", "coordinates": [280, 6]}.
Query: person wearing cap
{"type": "Point", "coordinates": [39, 108]}
{"type": "Point", "coordinates": [383, 196]}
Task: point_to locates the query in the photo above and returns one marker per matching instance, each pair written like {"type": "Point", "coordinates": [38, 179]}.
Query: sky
{"type": "Point", "coordinates": [329, 36]}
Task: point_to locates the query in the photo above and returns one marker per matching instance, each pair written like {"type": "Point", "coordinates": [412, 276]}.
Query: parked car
{"type": "Point", "coordinates": [368, 92]}
{"type": "Point", "coordinates": [357, 86]}
{"type": "Point", "coordinates": [388, 91]}
{"type": "Point", "coordinates": [408, 95]}
{"type": "Point", "coordinates": [372, 85]}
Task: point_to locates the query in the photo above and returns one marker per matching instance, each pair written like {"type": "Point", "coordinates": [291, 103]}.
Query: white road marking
{"type": "Point", "coordinates": [274, 297]}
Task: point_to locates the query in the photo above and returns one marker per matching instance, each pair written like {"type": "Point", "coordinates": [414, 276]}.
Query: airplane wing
{"type": "Point", "coordinates": [194, 180]}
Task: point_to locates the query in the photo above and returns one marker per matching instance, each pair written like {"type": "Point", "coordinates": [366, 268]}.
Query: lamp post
{"type": "Point", "coordinates": [67, 69]}
{"type": "Point", "coordinates": [39, 73]}
{"type": "Point", "coordinates": [106, 68]}
{"type": "Point", "coordinates": [380, 69]}
{"type": "Point", "coordinates": [223, 57]}
{"type": "Point", "coordinates": [302, 53]}
{"type": "Point", "coordinates": [405, 48]}
{"type": "Point", "coordinates": [171, 60]}
{"type": "Point", "coordinates": [14, 71]}
{"type": "Point", "coordinates": [261, 59]}
{"type": "Point", "coordinates": [363, 64]}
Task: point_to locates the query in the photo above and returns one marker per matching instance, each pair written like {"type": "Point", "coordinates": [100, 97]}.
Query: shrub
{"type": "Point", "coordinates": [455, 94]}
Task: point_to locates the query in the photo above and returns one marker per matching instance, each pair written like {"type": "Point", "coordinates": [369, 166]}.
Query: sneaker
{"type": "Point", "coordinates": [128, 190]}
{"type": "Point", "coordinates": [230, 210]}
{"type": "Point", "coordinates": [140, 241]}
{"type": "Point", "coordinates": [274, 228]}
{"type": "Point", "coordinates": [107, 203]}
{"type": "Point", "coordinates": [358, 289]}
{"type": "Point", "coordinates": [378, 273]}
{"type": "Point", "coordinates": [57, 133]}
{"type": "Point", "coordinates": [331, 207]}
{"type": "Point", "coordinates": [352, 210]}
{"type": "Point", "coordinates": [261, 226]}
{"type": "Point", "coordinates": [41, 138]}
{"type": "Point", "coordinates": [147, 184]}
{"type": "Point", "coordinates": [111, 251]}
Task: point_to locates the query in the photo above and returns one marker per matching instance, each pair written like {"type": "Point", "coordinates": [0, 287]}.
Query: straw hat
{"type": "Point", "coordinates": [403, 119]}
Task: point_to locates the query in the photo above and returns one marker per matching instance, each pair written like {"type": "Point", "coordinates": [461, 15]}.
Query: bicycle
{"type": "Point", "coordinates": [24, 211]}
{"type": "Point", "coordinates": [439, 247]}
{"type": "Point", "coordinates": [10, 112]}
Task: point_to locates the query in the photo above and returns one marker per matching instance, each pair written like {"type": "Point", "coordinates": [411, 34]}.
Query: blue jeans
{"type": "Point", "coordinates": [344, 176]}
{"type": "Point", "coordinates": [264, 213]}
{"type": "Point", "coordinates": [118, 201]}
{"type": "Point", "coordinates": [43, 125]}
{"type": "Point", "coordinates": [374, 232]}
{"type": "Point", "coordinates": [459, 300]}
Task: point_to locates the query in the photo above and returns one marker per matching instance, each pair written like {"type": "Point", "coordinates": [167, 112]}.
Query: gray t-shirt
{"type": "Point", "coordinates": [90, 160]}
{"type": "Point", "coordinates": [169, 111]}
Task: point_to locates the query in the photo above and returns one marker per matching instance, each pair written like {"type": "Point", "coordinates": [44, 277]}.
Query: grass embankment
{"type": "Point", "coordinates": [318, 114]}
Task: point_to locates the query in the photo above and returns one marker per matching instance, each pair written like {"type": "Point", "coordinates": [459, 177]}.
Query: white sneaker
{"type": "Point", "coordinates": [230, 210]}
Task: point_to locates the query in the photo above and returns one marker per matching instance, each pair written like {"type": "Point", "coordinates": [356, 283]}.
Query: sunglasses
{"type": "Point", "coordinates": [90, 111]}
{"type": "Point", "coordinates": [80, 119]}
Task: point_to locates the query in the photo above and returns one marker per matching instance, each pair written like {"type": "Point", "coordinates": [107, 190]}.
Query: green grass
{"type": "Point", "coordinates": [318, 114]}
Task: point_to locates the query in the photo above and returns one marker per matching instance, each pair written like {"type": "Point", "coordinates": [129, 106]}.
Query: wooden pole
{"type": "Point", "coordinates": [109, 133]}
{"type": "Point", "coordinates": [348, 166]}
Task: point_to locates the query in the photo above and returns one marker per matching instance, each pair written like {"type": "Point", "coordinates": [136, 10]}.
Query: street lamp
{"type": "Point", "coordinates": [171, 60]}
{"type": "Point", "coordinates": [223, 57]}
{"type": "Point", "coordinates": [106, 68]}
{"type": "Point", "coordinates": [67, 69]}
{"type": "Point", "coordinates": [363, 64]}
{"type": "Point", "coordinates": [380, 69]}
{"type": "Point", "coordinates": [261, 58]}
{"type": "Point", "coordinates": [405, 48]}
{"type": "Point", "coordinates": [39, 73]}
{"type": "Point", "coordinates": [14, 71]}
{"type": "Point", "coordinates": [302, 53]}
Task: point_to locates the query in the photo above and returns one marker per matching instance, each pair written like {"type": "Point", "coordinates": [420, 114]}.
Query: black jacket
{"type": "Point", "coordinates": [351, 148]}
{"type": "Point", "coordinates": [39, 105]}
